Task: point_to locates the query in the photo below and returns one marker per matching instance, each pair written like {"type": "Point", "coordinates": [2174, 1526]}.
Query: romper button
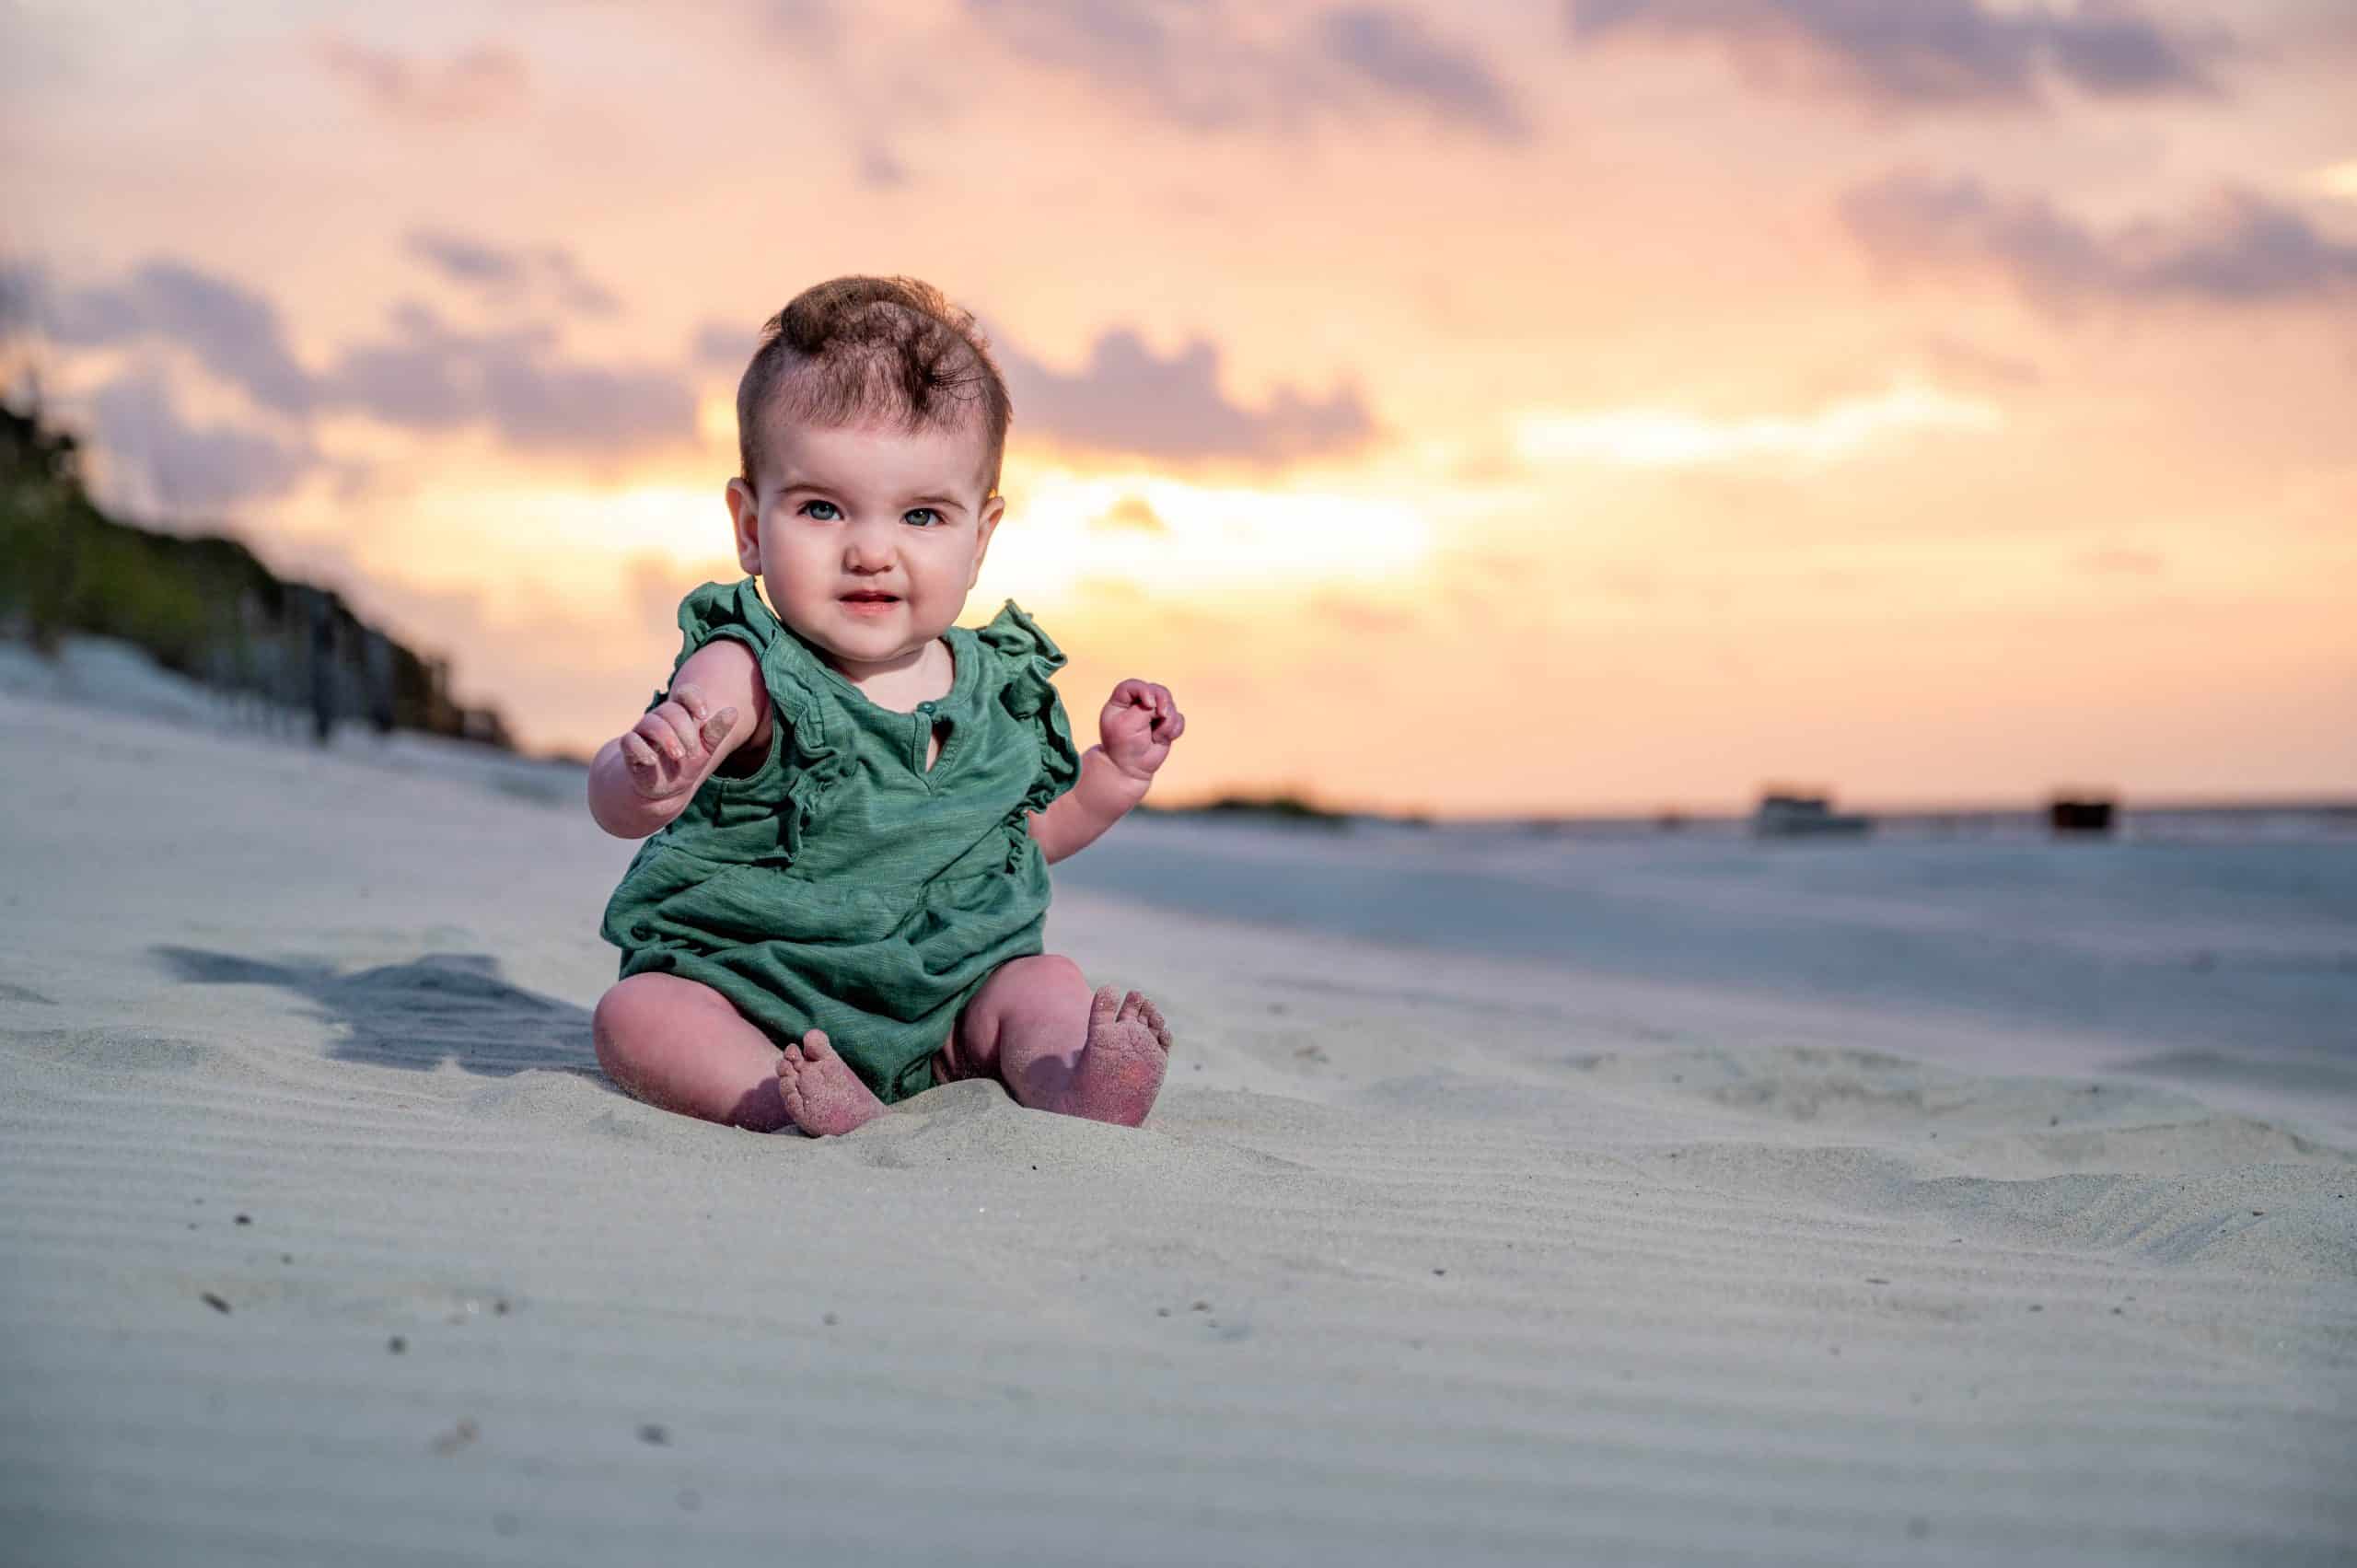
{"type": "Point", "coordinates": [643, 931]}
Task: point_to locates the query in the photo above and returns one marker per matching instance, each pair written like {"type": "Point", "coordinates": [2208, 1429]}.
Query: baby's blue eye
{"type": "Point", "coordinates": [814, 517]}
{"type": "Point", "coordinates": [921, 512]}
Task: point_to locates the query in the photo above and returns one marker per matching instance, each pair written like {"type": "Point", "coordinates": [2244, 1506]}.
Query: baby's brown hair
{"type": "Point", "coordinates": [861, 348]}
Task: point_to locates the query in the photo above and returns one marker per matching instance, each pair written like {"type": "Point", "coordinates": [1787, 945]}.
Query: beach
{"type": "Point", "coordinates": [325, 1241]}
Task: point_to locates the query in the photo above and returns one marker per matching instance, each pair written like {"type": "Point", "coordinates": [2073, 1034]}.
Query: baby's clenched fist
{"type": "Point", "coordinates": [1139, 722]}
{"type": "Point", "coordinates": [668, 751]}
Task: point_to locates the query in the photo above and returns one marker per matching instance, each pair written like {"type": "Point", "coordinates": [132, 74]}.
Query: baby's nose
{"type": "Point", "coordinates": [867, 549]}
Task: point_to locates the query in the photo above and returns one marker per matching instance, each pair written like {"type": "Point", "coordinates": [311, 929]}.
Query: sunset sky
{"type": "Point", "coordinates": [1471, 408]}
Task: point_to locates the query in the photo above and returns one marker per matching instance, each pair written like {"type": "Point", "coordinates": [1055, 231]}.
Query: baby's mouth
{"type": "Point", "coordinates": [871, 598]}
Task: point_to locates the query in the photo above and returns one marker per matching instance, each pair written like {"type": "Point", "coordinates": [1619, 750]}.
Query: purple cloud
{"type": "Point", "coordinates": [1125, 399]}
{"type": "Point", "coordinates": [2240, 247]}
{"type": "Point", "coordinates": [723, 345]}
{"type": "Point", "coordinates": [156, 459]}
{"type": "Point", "coordinates": [508, 272]}
{"type": "Point", "coordinates": [1920, 53]}
{"type": "Point", "coordinates": [234, 331]}
{"type": "Point", "coordinates": [430, 376]}
{"type": "Point", "coordinates": [468, 261]}
{"type": "Point", "coordinates": [811, 28]}
{"type": "Point", "coordinates": [425, 376]}
{"type": "Point", "coordinates": [1395, 51]}
{"type": "Point", "coordinates": [880, 169]}
{"type": "Point", "coordinates": [1193, 64]}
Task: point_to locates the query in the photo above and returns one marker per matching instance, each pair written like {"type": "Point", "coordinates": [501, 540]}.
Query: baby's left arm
{"type": "Point", "coordinates": [1139, 722]}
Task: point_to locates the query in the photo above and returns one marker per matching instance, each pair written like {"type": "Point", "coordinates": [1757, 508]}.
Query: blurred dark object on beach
{"type": "Point", "coordinates": [2079, 813]}
{"type": "Point", "coordinates": [1789, 814]}
{"type": "Point", "coordinates": [279, 652]}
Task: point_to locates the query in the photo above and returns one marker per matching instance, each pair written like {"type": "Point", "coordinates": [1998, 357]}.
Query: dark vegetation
{"type": "Point", "coordinates": [1292, 809]}
{"type": "Point", "coordinates": [204, 606]}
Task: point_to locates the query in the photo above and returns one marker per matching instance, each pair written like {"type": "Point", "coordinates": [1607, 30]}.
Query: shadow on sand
{"type": "Point", "coordinates": [440, 1007]}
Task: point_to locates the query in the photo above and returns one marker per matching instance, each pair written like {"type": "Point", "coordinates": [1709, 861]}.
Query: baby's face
{"type": "Point", "coordinates": [867, 538]}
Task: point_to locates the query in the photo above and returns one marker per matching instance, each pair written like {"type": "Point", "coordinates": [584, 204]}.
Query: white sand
{"type": "Point", "coordinates": [1422, 1260]}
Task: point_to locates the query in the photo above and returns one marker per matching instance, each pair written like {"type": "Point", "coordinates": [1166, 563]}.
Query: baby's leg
{"type": "Point", "coordinates": [677, 1044]}
{"type": "Point", "coordinates": [1037, 1028]}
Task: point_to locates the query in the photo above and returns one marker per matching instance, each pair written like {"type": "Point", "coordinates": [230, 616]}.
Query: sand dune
{"type": "Point", "coordinates": [325, 1242]}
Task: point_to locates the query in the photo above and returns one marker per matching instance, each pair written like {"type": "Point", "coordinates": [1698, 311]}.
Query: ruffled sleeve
{"type": "Point", "coordinates": [1028, 660]}
{"type": "Point", "coordinates": [765, 816]}
{"type": "Point", "coordinates": [720, 610]}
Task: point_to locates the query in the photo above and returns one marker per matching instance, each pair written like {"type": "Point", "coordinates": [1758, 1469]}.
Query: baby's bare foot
{"type": "Point", "coordinates": [822, 1093]}
{"type": "Point", "coordinates": [1120, 1068]}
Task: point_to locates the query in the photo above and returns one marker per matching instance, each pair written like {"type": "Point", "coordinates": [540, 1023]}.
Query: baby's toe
{"type": "Point", "coordinates": [1152, 1016]}
{"type": "Point", "coordinates": [815, 1045]}
{"type": "Point", "coordinates": [1102, 1006]}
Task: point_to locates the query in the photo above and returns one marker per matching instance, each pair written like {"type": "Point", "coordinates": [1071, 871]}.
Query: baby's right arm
{"type": "Point", "coordinates": [645, 777]}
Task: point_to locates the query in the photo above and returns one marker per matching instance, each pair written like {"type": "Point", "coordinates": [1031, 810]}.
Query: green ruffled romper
{"type": "Point", "coordinates": [843, 887]}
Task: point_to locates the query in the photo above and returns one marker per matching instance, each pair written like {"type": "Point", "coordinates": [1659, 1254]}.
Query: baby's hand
{"type": "Point", "coordinates": [1137, 725]}
{"type": "Point", "coordinates": [666, 750]}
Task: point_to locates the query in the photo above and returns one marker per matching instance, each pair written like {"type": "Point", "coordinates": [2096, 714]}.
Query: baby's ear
{"type": "Point", "coordinates": [745, 524]}
{"type": "Point", "coordinates": [993, 508]}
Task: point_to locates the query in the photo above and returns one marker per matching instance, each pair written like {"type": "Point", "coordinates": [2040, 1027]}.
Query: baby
{"type": "Point", "coordinates": [853, 800]}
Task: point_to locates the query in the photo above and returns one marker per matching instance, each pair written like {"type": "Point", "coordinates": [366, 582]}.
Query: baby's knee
{"type": "Point", "coordinates": [1055, 965]}
{"type": "Point", "coordinates": [627, 1019]}
{"type": "Point", "coordinates": [1049, 975]}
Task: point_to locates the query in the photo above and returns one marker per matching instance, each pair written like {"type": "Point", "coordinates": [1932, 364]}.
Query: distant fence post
{"type": "Point", "coordinates": [321, 643]}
